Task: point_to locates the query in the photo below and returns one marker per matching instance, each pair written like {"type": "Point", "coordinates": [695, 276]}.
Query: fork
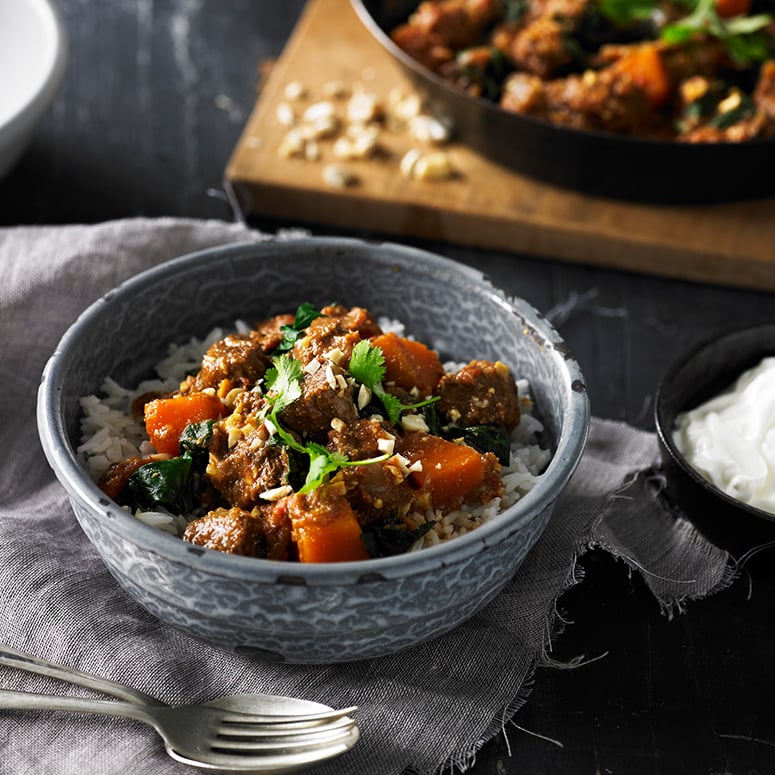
{"type": "Point", "coordinates": [211, 737]}
{"type": "Point", "coordinates": [223, 734]}
{"type": "Point", "coordinates": [269, 703]}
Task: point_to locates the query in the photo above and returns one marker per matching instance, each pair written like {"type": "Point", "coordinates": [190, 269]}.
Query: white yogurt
{"type": "Point", "coordinates": [730, 439]}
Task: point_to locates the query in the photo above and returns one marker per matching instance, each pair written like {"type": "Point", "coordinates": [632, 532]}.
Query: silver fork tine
{"type": "Point", "coordinates": [247, 732]}
{"type": "Point", "coordinates": [260, 745]}
{"type": "Point", "coordinates": [272, 763]}
{"type": "Point", "coordinates": [282, 720]}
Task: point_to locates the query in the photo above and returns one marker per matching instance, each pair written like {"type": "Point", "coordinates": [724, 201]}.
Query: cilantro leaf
{"type": "Point", "coordinates": [283, 382]}
{"type": "Point", "coordinates": [283, 387]}
{"type": "Point", "coordinates": [743, 36]}
{"type": "Point", "coordinates": [367, 365]}
{"type": "Point", "coordinates": [321, 464]}
{"type": "Point", "coordinates": [392, 405]}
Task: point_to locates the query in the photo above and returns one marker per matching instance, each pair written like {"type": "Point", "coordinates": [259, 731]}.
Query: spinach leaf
{"type": "Point", "coordinates": [386, 540]}
{"type": "Point", "coordinates": [195, 437]}
{"type": "Point", "coordinates": [170, 484]}
{"type": "Point", "coordinates": [486, 438]}
{"type": "Point", "coordinates": [305, 314]}
{"type": "Point", "coordinates": [163, 483]}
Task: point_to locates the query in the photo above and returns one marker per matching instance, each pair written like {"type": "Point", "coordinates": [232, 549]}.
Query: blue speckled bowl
{"type": "Point", "coordinates": [293, 612]}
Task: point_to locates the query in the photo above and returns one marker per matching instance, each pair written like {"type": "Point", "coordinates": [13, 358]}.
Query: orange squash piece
{"type": "Point", "coordinates": [167, 418]}
{"type": "Point", "coordinates": [643, 64]}
{"type": "Point", "coordinates": [449, 471]}
{"type": "Point", "coordinates": [325, 528]}
{"type": "Point", "coordinates": [409, 363]}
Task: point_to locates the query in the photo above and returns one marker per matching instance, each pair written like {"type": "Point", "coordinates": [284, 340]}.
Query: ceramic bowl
{"type": "Point", "coordinates": [708, 369]}
{"type": "Point", "coordinates": [303, 612]}
{"type": "Point", "coordinates": [32, 63]}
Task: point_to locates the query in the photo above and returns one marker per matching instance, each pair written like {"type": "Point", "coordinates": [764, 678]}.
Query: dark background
{"type": "Point", "coordinates": [155, 97]}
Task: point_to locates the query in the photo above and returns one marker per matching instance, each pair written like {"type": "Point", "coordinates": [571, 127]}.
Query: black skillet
{"type": "Point", "coordinates": [595, 163]}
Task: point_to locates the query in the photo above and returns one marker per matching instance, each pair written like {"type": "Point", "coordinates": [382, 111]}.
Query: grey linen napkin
{"type": "Point", "coordinates": [427, 708]}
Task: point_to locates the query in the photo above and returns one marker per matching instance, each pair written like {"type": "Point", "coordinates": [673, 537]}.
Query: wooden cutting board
{"type": "Point", "coordinates": [484, 205]}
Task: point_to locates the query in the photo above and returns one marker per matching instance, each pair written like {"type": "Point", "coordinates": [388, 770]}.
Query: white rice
{"type": "Point", "coordinates": [109, 434]}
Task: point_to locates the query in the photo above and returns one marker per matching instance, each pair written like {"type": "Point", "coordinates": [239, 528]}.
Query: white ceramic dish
{"type": "Point", "coordinates": [32, 65]}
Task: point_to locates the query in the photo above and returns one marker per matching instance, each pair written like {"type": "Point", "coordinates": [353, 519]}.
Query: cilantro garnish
{"type": "Point", "coordinates": [283, 383]}
{"type": "Point", "coordinates": [283, 387]}
{"type": "Point", "coordinates": [305, 314]}
{"type": "Point", "coordinates": [743, 36]}
{"type": "Point", "coordinates": [367, 365]}
{"type": "Point", "coordinates": [623, 13]}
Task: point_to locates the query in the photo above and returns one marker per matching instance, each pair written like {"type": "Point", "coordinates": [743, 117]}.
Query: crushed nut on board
{"type": "Point", "coordinates": [353, 120]}
{"type": "Point", "coordinates": [339, 176]}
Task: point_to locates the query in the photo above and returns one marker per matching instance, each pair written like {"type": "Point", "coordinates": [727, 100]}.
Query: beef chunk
{"type": "Point", "coordinates": [339, 329]}
{"type": "Point", "coordinates": [360, 439]}
{"type": "Point", "coordinates": [250, 467]}
{"type": "Point", "coordinates": [439, 27]}
{"type": "Point", "coordinates": [492, 484]}
{"type": "Point", "coordinates": [325, 396]}
{"type": "Point", "coordinates": [375, 490]}
{"type": "Point", "coordinates": [233, 531]}
{"type": "Point", "coordinates": [481, 393]}
{"type": "Point", "coordinates": [602, 100]}
{"type": "Point", "coordinates": [277, 530]}
{"type": "Point", "coordinates": [542, 47]}
{"type": "Point", "coordinates": [240, 358]}
{"type": "Point", "coordinates": [354, 319]}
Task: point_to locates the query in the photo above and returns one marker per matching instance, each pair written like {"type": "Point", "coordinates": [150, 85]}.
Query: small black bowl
{"type": "Point", "coordinates": [709, 369]}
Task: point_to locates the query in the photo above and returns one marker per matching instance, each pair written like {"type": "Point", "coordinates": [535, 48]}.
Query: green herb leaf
{"type": "Point", "coordinates": [367, 365]}
{"type": "Point", "coordinates": [195, 436]}
{"type": "Point", "coordinates": [486, 438]}
{"type": "Point", "coordinates": [743, 36]}
{"type": "Point", "coordinates": [392, 405]}
{"type": "Point", "coordinates": [305, 314]}
{"type": "Point", "coordinates": [163, 483]}
{"type": "Point", "coordinates": [624, 13]}
{"type": "Point", "coordinates": [283, 382]}
{"type": "Point", "coordinates": [322, 463]}
{"type": "Point", "coordinates": [386, 540]}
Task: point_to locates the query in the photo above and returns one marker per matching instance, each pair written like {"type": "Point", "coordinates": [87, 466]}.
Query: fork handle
{"type": "Point", "coordinates": [18, 659]}
{"type": "Point", "coordinates": [10, 700]}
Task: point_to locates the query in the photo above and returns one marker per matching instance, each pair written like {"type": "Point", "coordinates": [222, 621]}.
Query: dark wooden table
{"type": "Point", "coordinates": [156, 94]}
